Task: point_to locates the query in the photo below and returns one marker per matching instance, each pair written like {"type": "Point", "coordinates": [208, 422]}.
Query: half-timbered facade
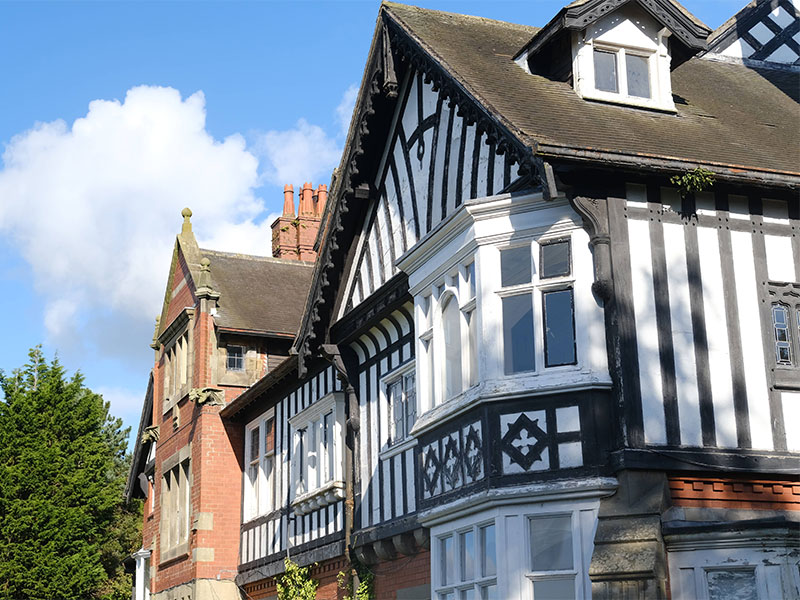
{"type": "Point", "coordinates": [544, 355]}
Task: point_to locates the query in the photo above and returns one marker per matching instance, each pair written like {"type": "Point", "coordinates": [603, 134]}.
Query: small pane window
{"type": "Point", "coordinates": [783, 344]}
{"type": "Point", "coordinates": [254, 443]}
{"type": "Point", "coordinates": [410, 389]}
{"type": "Point", "coordinates": [515, 266]}
{"type": "Point", "coordinates": [518, 333]}
{"type": "Point", "coordinates": [605, 71]}
{"type": "Point", "coordinates": [488, 564]}
{"type": "Point", "coordinates": [638, 72]}
{"type": "Point", "coordinates": [235, 358]}
{"type": "Point", "coordinates": [554, 259]}
{"type": "Point", "coordinates": [489, 592]}
{"type": "Point", "coordinates": [551, 543]}
{"type": "Point", "coordinates": [468, 594]}
{"type": "Point", "coordinates": [467, 551]}
{"type": "Point", "coordinates": [559, 324]}
{"type": "Point", "coordinates": [448, 567]}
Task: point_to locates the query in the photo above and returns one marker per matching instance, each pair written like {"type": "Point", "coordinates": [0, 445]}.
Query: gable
{"type": "Point", "coordinates": [180, 292]}
{"type": "Point", "coordinates": [433, 162]}
{"type": "Point", "coordinates": [766, 30]}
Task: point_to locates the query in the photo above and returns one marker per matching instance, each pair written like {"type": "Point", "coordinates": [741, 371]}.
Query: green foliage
{"type": "Point", "coordinates": [63, 528]}
{"type": "Point", "coordinates": [366, 582]}
{"type": "Point", "coordinates": [296, 583]}
{"type": "Point", "coordinates": [696, 180]}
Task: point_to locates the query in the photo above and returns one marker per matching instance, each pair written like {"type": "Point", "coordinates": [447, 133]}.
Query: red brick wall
{"type": "Point", "coordinates": [185, 297]}
{"type": "Point", "coordinates": [326, 573]}
{"type": "Point", "coordinates": [403, 572]}
{"type": "Point", "coordinates": [715, 492]}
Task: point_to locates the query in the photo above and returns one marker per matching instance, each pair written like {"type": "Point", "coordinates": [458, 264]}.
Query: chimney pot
{"type": "Point", "coordinates": [288, 201]}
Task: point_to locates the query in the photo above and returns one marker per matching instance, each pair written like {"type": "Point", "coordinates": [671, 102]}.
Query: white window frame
{"type": "Point", "coordinates": [453, 285]}
{"type": "Point", "coordinates": [401, 375]}
{"type": "Point", "coordinates": [242, 358]}
{"type": "Point", "coordinates": [317, 472]}
{"type": "Point", "coordinates": [259, 496]}
{"type": "Point", "coordinates": [536, 288]}
{"type": "Point", "coordinates": [514, 577]}
{"type": "Point", "coordinates": [479, 581]}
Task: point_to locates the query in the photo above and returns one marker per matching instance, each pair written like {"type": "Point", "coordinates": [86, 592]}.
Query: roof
{"type": "Point", "coordinates": [728, 115]}
{"type": "Point", "coordinates": [259, 293]}
{"type": "Point", "coordinates": [139, 458]}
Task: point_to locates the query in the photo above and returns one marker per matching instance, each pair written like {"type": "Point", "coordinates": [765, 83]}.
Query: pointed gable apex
{"type": "Point", "coordinates": [580, 14]}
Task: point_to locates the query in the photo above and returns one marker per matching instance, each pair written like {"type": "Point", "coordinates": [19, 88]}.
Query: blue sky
{"type": "Point", "coordinates": [115, 115]}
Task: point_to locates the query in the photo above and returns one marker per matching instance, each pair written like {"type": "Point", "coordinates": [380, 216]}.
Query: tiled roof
{"type": "Point", "coordinates": [727, 114]}
{"type": "Point", "coordinates": [259, 293]}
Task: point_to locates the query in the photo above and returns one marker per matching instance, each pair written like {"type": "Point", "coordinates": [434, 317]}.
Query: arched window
{"type": "Point", "coordinates": [451, 329]}
{"type": "Point", "coordinates": [783, 340]}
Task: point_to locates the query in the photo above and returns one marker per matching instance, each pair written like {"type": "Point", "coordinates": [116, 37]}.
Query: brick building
{"type": "Point", "coordinates": [550, 346]}
{"type": "Point", "coordinates": [227, 320]}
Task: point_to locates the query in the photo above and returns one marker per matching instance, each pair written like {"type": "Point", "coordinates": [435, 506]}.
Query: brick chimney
{"type": "Point", "coordinates": [293, 236]}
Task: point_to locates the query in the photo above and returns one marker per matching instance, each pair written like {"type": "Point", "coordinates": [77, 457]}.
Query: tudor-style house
{"type": "Point", "coordinates": [551, 346]}
{"type": "Point", "coordinates": [227, 320]}
{"type": "Point", "coordinates": [536, 362]}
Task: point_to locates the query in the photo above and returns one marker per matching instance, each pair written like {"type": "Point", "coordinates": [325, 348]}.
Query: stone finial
{"type": "Point", "coordinates": [186, 213]}
{"type": "Point", "coordinates": [204, 280]}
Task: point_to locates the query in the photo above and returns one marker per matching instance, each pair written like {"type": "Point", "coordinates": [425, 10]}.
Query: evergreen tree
{"type": "Point", "coordinates": [63, 527]}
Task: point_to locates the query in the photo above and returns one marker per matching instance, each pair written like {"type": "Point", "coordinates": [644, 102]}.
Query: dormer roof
{"type": "Point", "coordinates": [580, 14]}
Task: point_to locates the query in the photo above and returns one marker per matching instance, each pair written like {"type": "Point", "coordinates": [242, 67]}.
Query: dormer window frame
{"type": "Point", "coordinates": [658, 67]}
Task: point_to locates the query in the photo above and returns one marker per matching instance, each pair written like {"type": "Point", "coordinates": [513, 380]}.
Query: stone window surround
{"type": "Point", "coordinates": [181, 457]}
{"type": "Point", "coordinates": [182, 324]}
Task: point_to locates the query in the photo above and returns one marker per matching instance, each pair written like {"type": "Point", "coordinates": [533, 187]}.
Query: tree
{"type": "Point", "coordinates": [63, 527]}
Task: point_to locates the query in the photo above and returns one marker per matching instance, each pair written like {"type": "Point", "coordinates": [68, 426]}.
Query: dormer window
{"type": "Point", "coordinates": [634, 78]}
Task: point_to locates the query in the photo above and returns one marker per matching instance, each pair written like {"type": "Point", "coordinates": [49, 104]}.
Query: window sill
{"type": "Point", "coordinates": [174, 554]}
{"type": "Point", "coordinates": [398, 448]}
{"type": "Point", "coordinates": [787, 378]}
{"type": "Point", "coordinates": [329, 493]}
{"type": "Point", "coordinates": [632, 101]}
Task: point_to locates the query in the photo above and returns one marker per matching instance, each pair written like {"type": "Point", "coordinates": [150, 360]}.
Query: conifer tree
{"type": "Point", "coordinates": [63, 528]}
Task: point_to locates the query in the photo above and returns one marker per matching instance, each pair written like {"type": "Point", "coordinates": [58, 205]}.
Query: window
{"type": "Point", "coordinates": [634, 78]}
{"type": "Point", "coordinates": [467, 568]}
{"type": "Point", "coordinates": [176, 370]}
{"type": "Point", "coordinates": [525, 293]}
{"type": "Point", "coordinates": [552, 569]}
{"type": "Point", "coordinates": [318, 438]}
{"type": "Point", "coordinates": [175, 506]}
{"type": "Point", "coordinates": [260, 452]}
{"type": "Point", "coordinates": [235, 358]}
{"type": "Point", "coordinates": [448, 327]}
{"type": "Point", "coordinates": [781, 322]}
{"type": "Point", "coordinates": [401, 395]}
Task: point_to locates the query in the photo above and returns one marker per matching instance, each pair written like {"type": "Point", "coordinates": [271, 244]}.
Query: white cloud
{"type": "Point", "coordinates": [94, 208]}
{"type": "Point", "coordinates": [125, 403]}
{"type": "Point", "coordinates": [344, 112]}
{"type": "Point", "coordinates": [295, 156]}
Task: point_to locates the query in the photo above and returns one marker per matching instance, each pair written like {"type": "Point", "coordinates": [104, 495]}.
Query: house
{"type": "Point", "coordinates": [551, 347]}
{"type": "Point", "coordinates": [227, 320]}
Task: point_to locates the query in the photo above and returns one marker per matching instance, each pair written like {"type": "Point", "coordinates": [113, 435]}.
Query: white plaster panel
{"type": "Point", "coordinates": [782, 18]}
{"type": "Point", "coordinates": [752, 345]}
{"type": "Point", "coordinates": [783, 54]}
{"type": "Point", "coordinates": [628, 26]}
{"type": "Point", "coordinates": [738, 49]}
{"type": "Point", "coordinates": [499, 171]}
{"type": "Point", "coordinates": [409, 484]}
{"type": "Point", "coordinates": [410, 119]}
{"type": "Point", "coordinates": [570, 455]}
{"type": "Point", "coordinates": [365, 456]}
{"type": "Point", "coordinates": [761, 32]}
{"type": "Point", "coordinates": [791, 416]}
{"type": "Point", "coordinates": [682, 336]}
{"type": "Point", "coordinates": [439, 164]}
{"type": "Point", "coordinates": [780, 266]}
{"type": "Point", "coordinates": [483, 167]}
{"type": "Point", "coordinates": [568, 419]}
{"type": "Point", "coordinates": [644, 308]}
{"type": "Point", "coordinates": [719, 358]}
{"type": "Point", "coordinates": [404, 194]}
{"type": "Point", "coordinates": [452, 168]}
{"type": "Point", "coordinates": [466, 175]}
{"type": "Point", "coordinates": [386, 467]}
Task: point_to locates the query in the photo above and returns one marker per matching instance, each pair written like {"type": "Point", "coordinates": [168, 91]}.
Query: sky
{"type": "Point", "coordinates": [116, 115]}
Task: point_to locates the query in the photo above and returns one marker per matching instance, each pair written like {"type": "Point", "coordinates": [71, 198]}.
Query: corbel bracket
{"type": "Point", "coordinates": [207, 396]}
{"type": "Point", "coordinates": [594, 212]}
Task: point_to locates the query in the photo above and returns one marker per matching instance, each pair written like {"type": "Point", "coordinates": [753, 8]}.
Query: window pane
{"type": "Point", "coordinates": [554, 259]}
{"type": "Point", "coordinates": [638, 76]}
{"type": "Point", "coordinates": [732, 585]}
{"type": "Point", "coordinates": [780, 323]}
{"type": "Point", "coordinates": [559, 326]}
{"type": "Point", "coordinates": [254, 444]}
{"type": "Point", "coordinates": [518, 333]}
{"type": "Point", "coordinates": [448, 561]}
{"type": "Point", "coordinates": [605, 71]}
{"type": "Point", "coordinates": [515, 266]}
{"type": "Point", "coordinates": [467, 551]}
{"type": "Point", "coordinates": [235, 358]}
{"type": "Point", "coordinates": [451, 318]}
{"type": "Point", "coordinates": [394, 393]}
{"type": "Point", "coordinates": [488, 565]}
{"type": "Point", "coordinates": [551, 543]}
{"type": "Point", "coordinates": [269, 438]}
{"type": "Point", "coordinates": [489, 592]}
{"type": "Point", "coordinates": [411, 401]}
{"type": "Point", "coordinates": [554, 589]}
{"type": "Point", "coordinates": [468, 594]}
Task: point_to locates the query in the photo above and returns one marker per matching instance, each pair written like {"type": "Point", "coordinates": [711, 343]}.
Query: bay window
{"type": "Point", "coordinates": [467, 568]}
{"type": "Point", "coordinates": [317, 451]}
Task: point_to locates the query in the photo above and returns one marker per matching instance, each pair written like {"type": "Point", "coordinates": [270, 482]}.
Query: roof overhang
{"type": "Point", "coordinates": [578, 15]}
